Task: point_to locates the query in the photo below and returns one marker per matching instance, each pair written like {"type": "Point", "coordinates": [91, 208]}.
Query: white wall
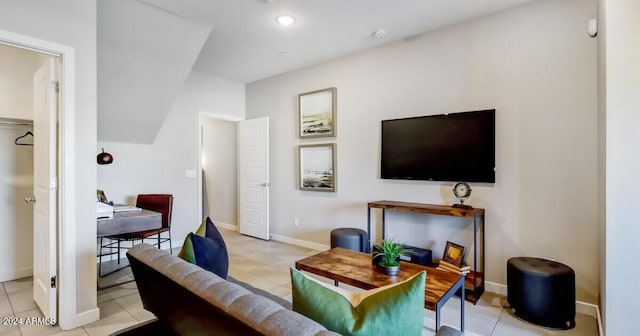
{"type": "Point", "coordinates": [71, 23]}
{"type": "Point", "coordinates": [17, 67]}
{"type": "Point", "coordinates": [534, 64]}
{"type": "Point", "coordinates": [622, 62]}
{"type": "Point", "coordinates": [219, 170]}
{"type": "Point", "coordinates": [160, 167]}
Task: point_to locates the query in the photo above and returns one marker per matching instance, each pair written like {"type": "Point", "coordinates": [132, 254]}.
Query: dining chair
{"type": "Point", "coordinates": [162, 203]}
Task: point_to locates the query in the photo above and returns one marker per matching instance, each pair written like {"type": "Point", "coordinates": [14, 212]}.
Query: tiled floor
{"type": "Point", "coordinates": [265, 264]}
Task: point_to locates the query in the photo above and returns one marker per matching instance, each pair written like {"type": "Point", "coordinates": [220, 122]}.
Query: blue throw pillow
{"type": "Point", "coordinates": [208, 252]}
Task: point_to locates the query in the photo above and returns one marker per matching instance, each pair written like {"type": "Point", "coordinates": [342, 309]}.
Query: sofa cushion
{"type": "Point", "coordinates": [258, 291]}
{"type": "Point", "coordinates": [396, 309]}
{"type": "Point", "coordinates": [206, 248]}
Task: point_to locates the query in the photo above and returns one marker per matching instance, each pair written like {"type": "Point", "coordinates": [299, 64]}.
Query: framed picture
{"type": "Point", "coordinates": [101, 197]}
{"type": "Point", "coordinates": [317, 113]}
{"type": "Point", "coordinates": [318, 167]}
{"type": "Point", "coordinates": [454, 254]}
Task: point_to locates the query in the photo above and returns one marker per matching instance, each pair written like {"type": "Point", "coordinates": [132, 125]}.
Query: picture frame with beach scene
{"type": "Point", "coordinates": [317, 164]}
{"type": "Point", "coordinates": [317, 113]}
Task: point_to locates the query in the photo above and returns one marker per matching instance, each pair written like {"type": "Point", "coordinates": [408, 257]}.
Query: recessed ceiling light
{"type": "Point", "coordinates": [285, 20]}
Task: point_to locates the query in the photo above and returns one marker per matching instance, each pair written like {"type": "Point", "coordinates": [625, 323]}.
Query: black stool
{"type": "Point", "coordinates": [542, 291]}
{"type": "Point", "coordinates": [350, 238]}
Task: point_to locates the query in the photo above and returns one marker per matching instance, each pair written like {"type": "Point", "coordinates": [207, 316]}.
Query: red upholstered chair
{"type": "Point", "coordinates": [162, 203]}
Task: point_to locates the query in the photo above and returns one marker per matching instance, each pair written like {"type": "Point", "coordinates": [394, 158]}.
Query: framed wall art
{"type": "Point", "coordinates": [317, 167]}
{"type": "Point", "coordinates": [317, 113]}
{"type": "Point", "coordinates": [454, 254]}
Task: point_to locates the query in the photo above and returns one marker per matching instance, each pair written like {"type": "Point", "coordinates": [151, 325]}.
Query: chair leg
{"type": "Point", "coordinates": [100, 257]}
{"type": "Point", "coordinates": [118, 255]}
{"type": "Point", "coordinates": [170, 247]}
{"type": "Point", "coordinates": [159, 247]}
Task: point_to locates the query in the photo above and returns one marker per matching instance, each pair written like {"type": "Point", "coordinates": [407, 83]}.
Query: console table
{"type": "Point", "coordinates": [474, 281]}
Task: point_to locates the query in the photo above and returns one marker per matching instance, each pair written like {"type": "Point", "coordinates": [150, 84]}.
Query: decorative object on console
{"type": "Point", "coordinates": [454, 254]}
{"type": "Point", "coordinates": [446, 266]}
{"type": "Point", "coordinates": [317, 113]}
{"type": "Point", "coordinates": [396, 309]}
{"type": "Point", "coordinates": [207, 249]}
{"type": "Point", "coordinates": [419, 256]}
{"type": "Point", "coordinates": [317, 167]}
{"type": "Point", "coordinates": [462, 191]}
{"type": "Point", "coordinates": [104, 158]}
{"type": "Point", "coordinates": [387, 255]}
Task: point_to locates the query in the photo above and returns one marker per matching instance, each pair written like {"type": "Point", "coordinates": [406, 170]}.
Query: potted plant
{"type": "Point", "coordinates": [388, 253]}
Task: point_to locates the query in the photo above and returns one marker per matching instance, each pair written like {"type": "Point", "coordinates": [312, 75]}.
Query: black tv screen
{"type": "Point", "coordinates": [447, 147]}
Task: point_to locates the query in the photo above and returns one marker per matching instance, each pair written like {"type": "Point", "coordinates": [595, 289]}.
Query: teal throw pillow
{"type": "Point", "coordinates": [396, 309]}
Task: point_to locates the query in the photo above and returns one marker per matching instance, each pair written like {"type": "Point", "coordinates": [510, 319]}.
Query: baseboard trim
{"type": "Point", "coordinates": [600, 330]}
{"type": "Point", "coordinates": [581, 307]}
{"type": "Point", "coordinates": [299, 242]}
{"type": "Point", "coordinates": [87, 317]}
{"type": "Point", "coordinates": [16, 274]}
{"type": "Point", "coordinates": [226, 226]}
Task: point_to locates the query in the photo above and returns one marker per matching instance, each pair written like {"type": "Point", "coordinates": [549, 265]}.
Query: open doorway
{"type": "Point", "coordinates": [17, 67]}
{"type": "Point", "coordinates": [29, 115]}
{"type": "Point", "coordinates": [53, 218]}
{"type": "Point", "coordinates": [219, 169]}
{"type": "Point", "coordinates": [242, 169]}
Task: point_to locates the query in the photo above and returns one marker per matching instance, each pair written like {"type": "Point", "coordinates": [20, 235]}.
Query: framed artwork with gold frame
{"type": "Point", "coordinates": [317, 113]}
{"type": "Point", "coordinates": [454, 254]}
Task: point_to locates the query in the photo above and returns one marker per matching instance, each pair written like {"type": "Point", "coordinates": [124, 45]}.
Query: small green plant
{"type": "Point", "coordinates": [390, 251]}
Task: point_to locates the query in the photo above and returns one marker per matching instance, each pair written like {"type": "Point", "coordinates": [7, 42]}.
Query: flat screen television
{"type": "Point", "coordinates": [446, 147]}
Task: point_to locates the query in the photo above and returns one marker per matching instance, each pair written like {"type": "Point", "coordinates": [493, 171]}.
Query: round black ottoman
{"type": "Point", "coordinates": [542, 291]}
{"type": "Point", "coordinates": [350, 238]}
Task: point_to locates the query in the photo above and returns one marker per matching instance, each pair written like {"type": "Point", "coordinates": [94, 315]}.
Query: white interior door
{"type": "Point", "coordinates": [253, 167]}
{"type": "Point", "coordinates": [45, 107]}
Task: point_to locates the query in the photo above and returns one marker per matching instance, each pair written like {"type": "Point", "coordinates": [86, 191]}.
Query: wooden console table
{"type": "Point", "coordinates": [474, 281]}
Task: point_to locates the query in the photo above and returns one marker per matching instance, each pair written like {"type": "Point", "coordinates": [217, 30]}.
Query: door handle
{"type": "Point", "coordinates": [265, 184]}
{"type": "Point", "coordinates": [30, 199]}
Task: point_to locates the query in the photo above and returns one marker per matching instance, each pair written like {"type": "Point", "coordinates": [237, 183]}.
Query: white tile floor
{"type": "Point", "coordinates": [264, 264]}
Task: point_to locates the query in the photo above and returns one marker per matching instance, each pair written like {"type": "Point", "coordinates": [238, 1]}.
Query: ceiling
{"type": "Point", "coordinates": [247, 44]}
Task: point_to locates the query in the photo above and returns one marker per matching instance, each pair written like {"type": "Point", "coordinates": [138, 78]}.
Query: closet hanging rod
{"type": "Point", "coordinates": [17, 122]}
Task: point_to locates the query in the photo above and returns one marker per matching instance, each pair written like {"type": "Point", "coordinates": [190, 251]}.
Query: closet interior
{"type": "Point", "coordinates": [17, 67]}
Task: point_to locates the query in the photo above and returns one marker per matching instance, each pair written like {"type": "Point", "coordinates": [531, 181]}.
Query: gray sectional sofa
{"type": "Point", "coordinates": [188, 300]}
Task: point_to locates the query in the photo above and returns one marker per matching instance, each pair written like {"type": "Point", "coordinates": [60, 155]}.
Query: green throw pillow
{"type": "Point", "coordinates": [186, 252]}
{"type": "Point", "coordinates": [396, 309]}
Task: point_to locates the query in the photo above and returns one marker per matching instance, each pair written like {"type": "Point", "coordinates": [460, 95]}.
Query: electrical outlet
{"type": "Point", "coordinates": [296, 222]}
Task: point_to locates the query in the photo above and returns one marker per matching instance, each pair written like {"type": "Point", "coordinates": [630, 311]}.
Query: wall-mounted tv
{"type": "Point", "coordinates": [446, 147]}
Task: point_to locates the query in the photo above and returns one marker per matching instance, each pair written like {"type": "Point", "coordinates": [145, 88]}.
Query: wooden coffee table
{"type": "Point", "coordinates": [355, 269]}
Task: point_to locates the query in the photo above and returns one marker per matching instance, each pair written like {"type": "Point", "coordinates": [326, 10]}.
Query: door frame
{"type": "Point", "coordinates": [66, 221]}
{"type": "Point", "coordinates": [201, 116]}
